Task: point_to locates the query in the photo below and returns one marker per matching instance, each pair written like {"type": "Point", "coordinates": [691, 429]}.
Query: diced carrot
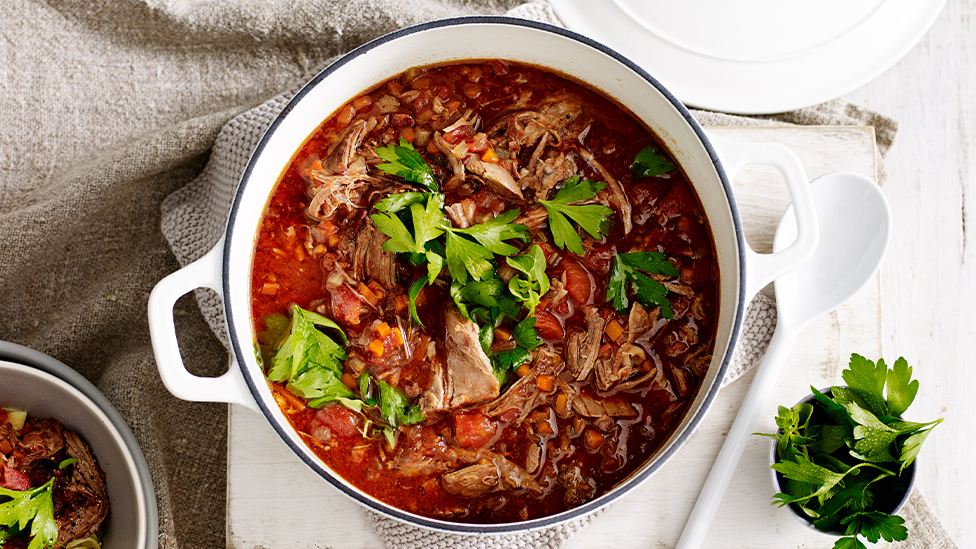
{"type": "Point", "coordinates": [345, 115]}
{"type": "Point", "coordinates": [562, 402]}
{"type": "Point", "coordinates": [502, 334]}
{"type": "Point", "coordinates": [397, 336]}
{"type": "Point", "coordinates": [544, 428]}
{"type": "Point", "coordinates": [523, 370]}
{"type": "Point", "coordinates": [368, 294]}
{"type": "Point", "coordinates": [377, 288]}
{"type": "Point", "coordinates": [383, 329]}
{"type": "Point", "coordinates": [348, 380]}
{"type": "Point", "coordinates": [362, 102]}
{"type": "Point", "coordinates": [604, 350]}
{"type": "Point", "coordinates": [545, 383]}
{"type": "Point", "coordinates": [408, 134]}
{"type": "Point", "coordinates": [376, 347]}
{"type": "Point", "coordinates": [401, 302]}
{"type": "Point", "coordinates": [490, 156]}
{"type": "Point", "coordinates": [593, 439]}
{"type": "Point", "coordinates": [316, 166]}
{"type": "Point", "coordinates": [614, 330]}
{"type": "Point", "coordinates": [270, 288]}
{"type": "Point", "coordinates": [300, 254]}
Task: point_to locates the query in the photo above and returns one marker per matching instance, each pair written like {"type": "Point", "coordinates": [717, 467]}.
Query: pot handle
{"type": "Point", "coordinates": [229, 387]}
{"type": "Point", "coordinates": [764, 268]}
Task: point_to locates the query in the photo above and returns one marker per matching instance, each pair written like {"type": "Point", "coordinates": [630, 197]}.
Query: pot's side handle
{"type": "Point", "coordinates": [764, 268]}
{"type": "Point", "coordinates": [229, 387]}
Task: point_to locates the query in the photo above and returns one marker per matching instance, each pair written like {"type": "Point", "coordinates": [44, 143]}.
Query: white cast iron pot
{"type": "Point", "coordinates": [708, 161]}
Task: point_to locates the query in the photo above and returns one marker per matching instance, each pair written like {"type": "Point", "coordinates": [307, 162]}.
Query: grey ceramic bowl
{"type": "Point", "coordinates": [908, 478]}
{"type": "Point", "coordinates": [33, 381]}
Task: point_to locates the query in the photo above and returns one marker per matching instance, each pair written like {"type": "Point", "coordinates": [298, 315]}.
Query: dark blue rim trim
{"type": "Point", "coordinates": [285, 431]}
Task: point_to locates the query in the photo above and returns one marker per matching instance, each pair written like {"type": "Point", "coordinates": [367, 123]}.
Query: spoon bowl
{"type": "Point", "coordinates": [855, 227]}
{"type": "Point", "coordinates": [855, 224]}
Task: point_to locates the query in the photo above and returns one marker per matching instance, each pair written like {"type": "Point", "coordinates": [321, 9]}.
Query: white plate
{"type": "Point", "coordinates": [755, 56]}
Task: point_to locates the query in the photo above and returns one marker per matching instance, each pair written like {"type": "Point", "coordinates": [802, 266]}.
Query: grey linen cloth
{"type": "Point", "coordinates": [121, 118]}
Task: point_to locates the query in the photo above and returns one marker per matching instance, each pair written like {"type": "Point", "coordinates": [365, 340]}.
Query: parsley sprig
{"type": "Point", "coordinates": [532, 283]}
{"type": "Point", "coordinates": [404, 161]}
{"type": "Point", "coordinates": [417, 226]}
{"type": "Point", "coordinates": [309, 363]}
{"type": "Point", "coordinates": [630, 268]}
{"type": "Point", "coordinates": [846, 451]}
{"type": "Point", "coordinates": [34, 507]}
{"type": "Point", "coordinates": [650, 162]}
{"type": "Point", "coordinates": [563, 208]}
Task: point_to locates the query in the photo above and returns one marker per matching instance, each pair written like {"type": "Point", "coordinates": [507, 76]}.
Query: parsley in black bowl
{"type": "Point", "coordinates": [844, 459]}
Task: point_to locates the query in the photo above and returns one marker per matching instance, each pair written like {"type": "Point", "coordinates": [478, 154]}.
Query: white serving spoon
{"type": "Point", "coordinates": [855, 225]}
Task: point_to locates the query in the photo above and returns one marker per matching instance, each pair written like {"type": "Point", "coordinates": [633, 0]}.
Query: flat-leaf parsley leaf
{"type": "Point", "coordinates": [650, 162]}
{"type": "Point", "coordinates": [34, 507]}
{"type": "Point", "coordinates": [592, 218]}
{"type": "Point", "coordinates": [404, 161]}
{"type": "Point", "coordinates": [649, 292]}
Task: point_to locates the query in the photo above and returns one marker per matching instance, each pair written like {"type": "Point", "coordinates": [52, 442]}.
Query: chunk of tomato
{"type": "Point", "coordinates": [14, 479]}
{"type": "Point", "coordinates": [578, 283]}
{"type": "Point", "coordinates": [473, 430]}
{"type": "Point", "coordinates": [547, 325]}
{"type": "Point", "coordinates": [339, 419]}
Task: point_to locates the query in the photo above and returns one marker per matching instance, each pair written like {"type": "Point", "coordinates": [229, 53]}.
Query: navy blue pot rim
{"type": "Point", "coordinates": [20, 354]}
{"type": "Point", "coordinates": [910, 475]}
{"type": "Point", "coordinates": [378, 506]}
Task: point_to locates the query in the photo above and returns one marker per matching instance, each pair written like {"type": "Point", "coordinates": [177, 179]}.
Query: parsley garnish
{"type": "Point", "coordinates": [525, 334]}
{"type": "Point", "coordinates": [649, 292]}
{"type": "Point", "coordinates": [404, 161]}
{"type": "Point", "coordinates": [505, 362]}
{"type": "Point", "coordinates": [396, 202]}
{"type": "Point", "coordinates": [309, 362]}
{"type": "Point", "coordinates": [848, 449]}
{"type": "Point", "coordinates": [650, 162]}
{"type": "Point", "coordinates": [533, 283]}
{"type": "Point", "coordinates": [592, 218]}
{"type": "Point", "coordinates": [392, 404]}
{"type": "Point", "coordinates": [34, 506]}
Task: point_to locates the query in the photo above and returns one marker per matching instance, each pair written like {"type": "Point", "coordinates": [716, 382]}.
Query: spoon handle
{"type": "Point", "coordinates": [744, 425]}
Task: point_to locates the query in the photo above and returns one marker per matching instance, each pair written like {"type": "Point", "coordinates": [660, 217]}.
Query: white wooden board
{"type": "Point", "coordinates": [275, 502]}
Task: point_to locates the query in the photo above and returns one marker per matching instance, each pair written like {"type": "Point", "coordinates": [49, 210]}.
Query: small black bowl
{"type": "Point", "coordinates": [892, 506]}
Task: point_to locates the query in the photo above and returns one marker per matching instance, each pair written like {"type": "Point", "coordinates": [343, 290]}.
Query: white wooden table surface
{"type": "Point", "coordinates": [928, 281]}
{"type": "Point", "coordinates": [275, 502]}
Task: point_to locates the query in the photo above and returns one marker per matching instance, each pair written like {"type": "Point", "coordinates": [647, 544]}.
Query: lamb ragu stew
{"type": "Point", "coordinates": [483, 292]}
{"type": "Point", "coordinates": [52, 491]}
